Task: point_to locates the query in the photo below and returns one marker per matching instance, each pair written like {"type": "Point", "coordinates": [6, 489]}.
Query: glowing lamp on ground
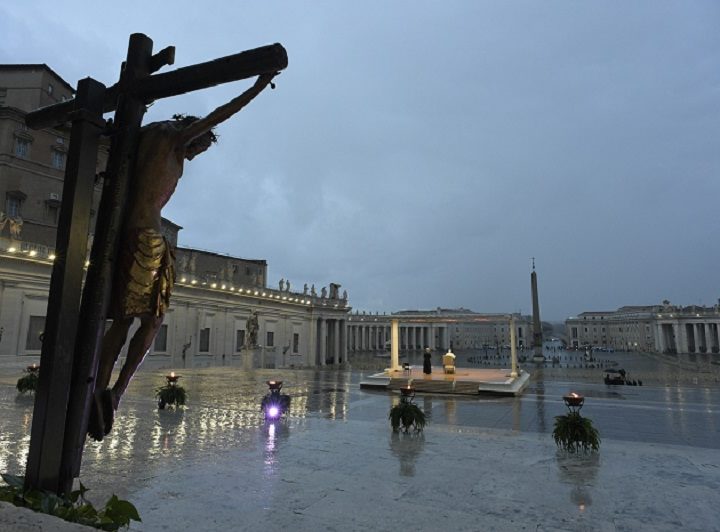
{"type": "Point", "coordinates": [274, 385]}
{"type": "Point", "coordinates": [574, 401]}
{"type": "Point", "coordinates": [407, 393]}
{"type": "Point", "coordinates": [172, 378]}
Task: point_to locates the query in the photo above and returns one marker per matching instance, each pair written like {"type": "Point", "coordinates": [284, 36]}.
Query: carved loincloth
{"type": "Point", "coordinates": [145, 275]}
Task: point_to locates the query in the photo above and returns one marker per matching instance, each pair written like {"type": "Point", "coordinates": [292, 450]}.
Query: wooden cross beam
{"type": "Point", "coordinates": [69, 360]}
{"type": "Point", "coordinates": [263, 60]}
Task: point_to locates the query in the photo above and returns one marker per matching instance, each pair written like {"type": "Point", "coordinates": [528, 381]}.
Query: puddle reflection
{"type": "Point", "coordinates": [274, 432]}
{"type": "Point", "coordinates": [223, 411]}
{"type": "Point", "coordinates": [407, 448]}
{"type": "Point", "coordinates": [579, 470]}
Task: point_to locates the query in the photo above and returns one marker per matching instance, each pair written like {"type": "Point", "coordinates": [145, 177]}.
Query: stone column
{"type": "Point", "coordinates": [395, 346]}
{"type": "Point", "coordinates": [336, 341]}
{"type": "Point", "coordinates": [676, 332]}
{"type": "Point", "coordinates": [323, 340]}
{"type": "Point", "coordinates": [513, 349]}
{"type": "Point", "coordinates": [712, 327]}
{"type": "Point", "coordinates": [659, 340]}
{"type": "Point", "coordinates": [312, 343]}
{"type": "Point", "coordinates": [330, 330]}
{"type": "Point", "coordinates": [343, 340]}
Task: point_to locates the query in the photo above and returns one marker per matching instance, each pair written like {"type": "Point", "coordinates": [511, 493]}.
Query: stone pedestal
{"type": "Point", "coordinates": [248, 356]}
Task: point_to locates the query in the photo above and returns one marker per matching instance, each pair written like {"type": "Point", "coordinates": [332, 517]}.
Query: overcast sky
{"type": "Point", "coordinates": [419, 153]}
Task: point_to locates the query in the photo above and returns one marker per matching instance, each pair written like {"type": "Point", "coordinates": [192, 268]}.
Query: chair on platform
{"type": "Point", "coordinates": [449, 362]}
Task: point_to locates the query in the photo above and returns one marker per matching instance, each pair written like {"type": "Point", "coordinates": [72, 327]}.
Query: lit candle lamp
{"type": "Point", "coordinates": [574, 400]}
{"type": "Point", "coordinates": [407, 392]}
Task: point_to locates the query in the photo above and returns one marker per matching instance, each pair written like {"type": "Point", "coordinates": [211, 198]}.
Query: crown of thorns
{"type": "Point", "coordinates": [186, 120]}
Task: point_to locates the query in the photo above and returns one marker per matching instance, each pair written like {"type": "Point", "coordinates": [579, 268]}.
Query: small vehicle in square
{"type": "Point", "coordinates": [614, 376]}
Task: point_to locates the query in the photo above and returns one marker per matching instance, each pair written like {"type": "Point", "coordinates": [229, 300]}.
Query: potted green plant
{"type": "Point", "coordinates": [406, 413]}
{"type": "Point", "coordinates": [573, 432]}
{"type": "Point", "coordinates": [172, 394]}
{"type": "Point", "coordinates": [28, 383]}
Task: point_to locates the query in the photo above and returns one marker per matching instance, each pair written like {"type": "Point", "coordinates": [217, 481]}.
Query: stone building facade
{"type": "Point", "coordinates": [661, 328]}
{"type": "Point", "coordinates": [204, 326]}
{"type": "Point", "coordinates": [32, 163]}
{"type": "Point", "coordinates": [438, 329]}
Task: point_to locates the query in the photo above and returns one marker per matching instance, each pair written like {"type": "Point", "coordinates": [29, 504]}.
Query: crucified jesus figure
{"type": "Point", "coordinates": [144, 272]}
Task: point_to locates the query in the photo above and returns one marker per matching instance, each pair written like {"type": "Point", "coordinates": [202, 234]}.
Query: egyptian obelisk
{"type": "Point", "coordinates": [537, 326]}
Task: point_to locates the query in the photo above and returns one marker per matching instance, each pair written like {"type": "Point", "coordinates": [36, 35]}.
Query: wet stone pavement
{"type": "Point", "coordinates": [333, 463]}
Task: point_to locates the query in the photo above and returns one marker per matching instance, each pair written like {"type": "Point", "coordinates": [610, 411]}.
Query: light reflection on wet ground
{"type": "Point", "coordinates": [223, 415]}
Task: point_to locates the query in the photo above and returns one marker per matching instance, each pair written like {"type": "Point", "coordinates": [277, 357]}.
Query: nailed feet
{"type": "Point", "coordinates": [102, 414]}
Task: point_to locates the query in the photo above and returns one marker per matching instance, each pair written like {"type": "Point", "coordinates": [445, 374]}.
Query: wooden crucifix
{"type": "Point", "coordinates": [75, 322]}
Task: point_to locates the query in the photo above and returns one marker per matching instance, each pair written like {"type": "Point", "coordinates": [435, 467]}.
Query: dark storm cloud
{"type": "Point", "coordinates": [419, 153]}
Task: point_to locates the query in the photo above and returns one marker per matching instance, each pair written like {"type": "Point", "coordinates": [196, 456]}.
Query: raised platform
{"type": "Point", "coordinates": [465, 381]}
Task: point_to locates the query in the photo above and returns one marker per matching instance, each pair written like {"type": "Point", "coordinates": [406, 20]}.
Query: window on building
{"type": "Point", "coordinates": [58, 159]}
{"type": "Point", "coordinates": [53, 212]}
{"type": "Point", "coordinates": [204, 340]}
{"type": "Point", "coordinates": [239, 340]}
{"type": "Point", "coordinates": [296, 342]}
{"type": "Point", "coordinates": [50, 88]}
{"type": "Point", "coordinates": [270, 339]}
{"type": "Point", "coordinates": [161, 340]}
{"type": "Point", "coordinates": [22, 147]}
{"type": "Point", "coordinates": [12, 206]}
{"type": "Point", "coordinates": [3, 95]}
{"type": "Point", "coordinates": [36, 326]}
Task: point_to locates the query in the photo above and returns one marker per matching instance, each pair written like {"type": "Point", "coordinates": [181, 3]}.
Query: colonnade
{"type": "Point", "coordinates": [687, 337]}
{"type": "Point", "coordinates": [376, 336]}
{"type": "Point", "coordinates": [332, 342]}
